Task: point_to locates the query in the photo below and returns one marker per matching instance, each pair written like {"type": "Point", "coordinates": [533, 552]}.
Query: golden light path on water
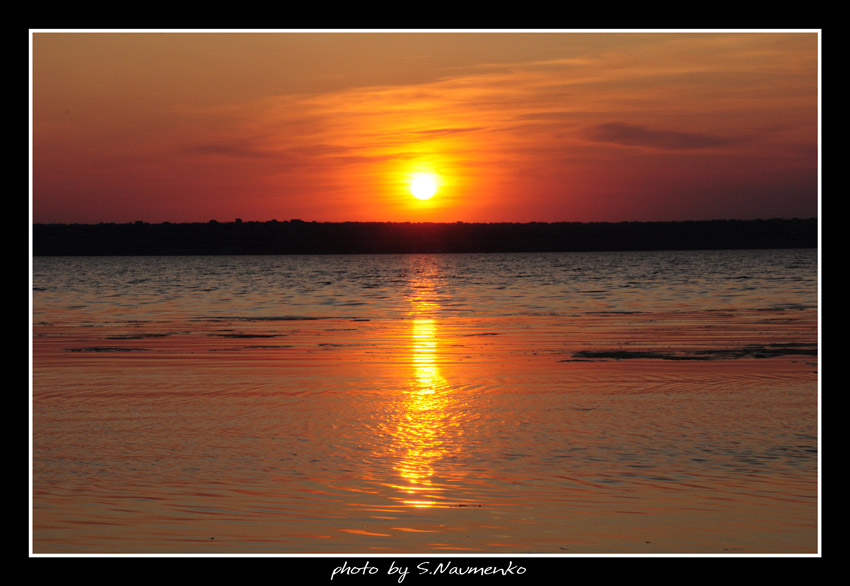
{"type": "Point", "coordinates": [420, 435]}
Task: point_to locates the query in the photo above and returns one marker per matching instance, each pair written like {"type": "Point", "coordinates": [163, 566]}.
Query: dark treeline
{"type": "Point", "coordinates": [299, 237]}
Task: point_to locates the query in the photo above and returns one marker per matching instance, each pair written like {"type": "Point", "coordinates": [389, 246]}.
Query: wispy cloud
{"type": "Point", "coordinates": [633, 135]}
{"type": "Point", "coordinates": [231, 150]}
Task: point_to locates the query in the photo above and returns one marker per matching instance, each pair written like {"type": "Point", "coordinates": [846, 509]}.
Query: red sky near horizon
{"type": "Point", "coordinates": [331, 126]}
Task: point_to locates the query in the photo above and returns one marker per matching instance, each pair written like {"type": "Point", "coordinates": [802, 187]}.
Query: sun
{"type": "Point", "coordinates": [423, 185]}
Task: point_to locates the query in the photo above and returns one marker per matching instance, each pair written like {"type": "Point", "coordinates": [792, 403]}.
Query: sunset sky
{"type": "Point", "coordinates": [511, 126]}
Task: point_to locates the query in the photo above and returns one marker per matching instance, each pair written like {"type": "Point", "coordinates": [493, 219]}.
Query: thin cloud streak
{"type": "Point", "coordinates": [632, 135]}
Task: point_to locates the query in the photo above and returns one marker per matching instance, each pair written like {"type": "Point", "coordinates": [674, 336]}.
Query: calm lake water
{"type": "Point", "coordinates": [642, 402]}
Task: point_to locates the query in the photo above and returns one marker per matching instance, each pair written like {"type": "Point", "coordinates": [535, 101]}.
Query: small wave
{"type": "Point", "coordinates": [245, 335]}
{"type": "Point", "coordinates": [750, 351]}
{"type": "Point", "coordinates": [262, 318]}
{"type": "Point", "coordinates": [105, 349]}
{"type": "Point", "coordinates": [135, 336]}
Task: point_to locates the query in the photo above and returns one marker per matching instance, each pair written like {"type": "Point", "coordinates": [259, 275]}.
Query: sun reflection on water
{"type": "Point", "coordinates": [421, 436]}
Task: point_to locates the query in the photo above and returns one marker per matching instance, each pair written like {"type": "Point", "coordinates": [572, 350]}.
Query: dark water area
{"type": "Point", "coordinates": [539, 403]}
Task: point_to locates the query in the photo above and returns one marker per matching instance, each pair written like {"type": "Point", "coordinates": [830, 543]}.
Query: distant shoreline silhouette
{"type": "Point", "coordinates": [304, 237]}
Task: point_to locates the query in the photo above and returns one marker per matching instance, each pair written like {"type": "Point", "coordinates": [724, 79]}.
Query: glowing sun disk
{"type": "Point", "coordinates": [423, 185]}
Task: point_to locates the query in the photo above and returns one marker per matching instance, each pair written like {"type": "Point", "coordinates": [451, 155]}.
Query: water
{"type": "Point", "coordinates": [562, 403]}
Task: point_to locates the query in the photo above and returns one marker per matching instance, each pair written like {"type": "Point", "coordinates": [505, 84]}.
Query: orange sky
{"type": "Point", "coordinates": [329, 126]}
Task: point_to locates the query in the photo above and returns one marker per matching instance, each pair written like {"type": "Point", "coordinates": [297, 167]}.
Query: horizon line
{"type": "Point", "coordinates": [240, 220]}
